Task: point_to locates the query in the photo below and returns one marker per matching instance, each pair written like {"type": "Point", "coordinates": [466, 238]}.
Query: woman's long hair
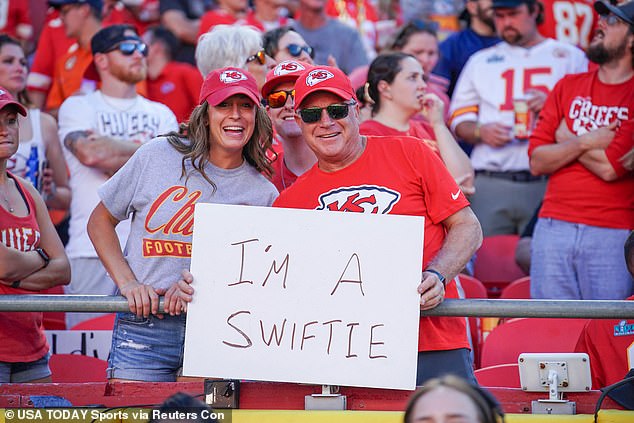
{"type": "Point", "coordinates": [193, 142]}
{"type": "Point", "coordinates": [23, 98]}
{"type": "Point", "coordinates": [384, 67]}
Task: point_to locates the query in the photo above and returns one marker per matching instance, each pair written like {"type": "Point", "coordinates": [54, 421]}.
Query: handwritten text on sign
{"type": "Point", "coordinates": [304, 296]}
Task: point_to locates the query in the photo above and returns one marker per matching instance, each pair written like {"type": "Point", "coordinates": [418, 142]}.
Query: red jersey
{"type": "Point", "coordinates": [413, 181]}
{"type": "Point", "coordinates": [574, 194]}
{"type": "Point", "coordinates": [177, 87]}
{"type": "Point", "coordinates": [53, 43]}
{"type": "Point", "coordinates": [417, 129]}
{"type": "Point", "coordinates": [570, 21]}
{"type": "Point", "coordinates": [610, 345]}
{"type": "Point", "coordinates": [220, 17]}
{"type": "Point", "coordinates": [15, 19]}
{"type": "Point", "coordinates": [22, 334]}
{"type": "Point", "coordinates": [148, 15]}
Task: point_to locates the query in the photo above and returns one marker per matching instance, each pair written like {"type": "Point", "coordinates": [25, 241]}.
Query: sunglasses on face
{"type": "Point", "coordinates": [260, 56]}
{"type": "Point", "coordinates": [127, 48]}
{"type": "Point", "coordinates": [335, 111]}
{"type": "Point", "coordinates": [277, 99]}
{"type": "Point", "coordinates": [295, 50]}
{"type": "Point", "coordinates": [610, 20]}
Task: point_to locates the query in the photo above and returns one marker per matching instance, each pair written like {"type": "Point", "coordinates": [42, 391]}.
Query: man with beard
{"type": "Point", "coordinates": [500, 88]}
{"type": "Point", "coordinates": [100, 131]}
{"type": "Point", "coordinates": [583, 135]}
{"type": "Point", "coordinates": [278, 92]}
{"type": "Point", "coordinates": [458, 47]}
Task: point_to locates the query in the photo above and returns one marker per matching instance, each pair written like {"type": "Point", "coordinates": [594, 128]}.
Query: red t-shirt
{"type": "Point", "coordinates": [15, 19]}
{"type": "Point", "coordinates": [574, 194]}
{"type": "Point", "coordinates": [417, 129]}
{"type": "Point", "coordinates": [177, 87]}
{"type": "Point", "coordinates": [22, 334]}
{"type": "Point", "coordinates": [417, 184]}
{"type": "Point", "coordinates": [610, 345]}
{"type": "Point", "coordinates": [570, 21]}
{"type": "Point", "coordinates": [220, 17]}
{"type": "Point", "coordinates": [282, 176]}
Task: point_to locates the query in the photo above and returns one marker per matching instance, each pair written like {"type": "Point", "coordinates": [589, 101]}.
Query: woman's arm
{"type": "Point", "coordinates": [28, 269]}
{"type": "Point", "coordinates": [55, 187]}
{"type": "Point", "coordinates": [142, 299]}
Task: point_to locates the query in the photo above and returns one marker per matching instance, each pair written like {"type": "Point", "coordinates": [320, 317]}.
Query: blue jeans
{"type": "Point", "coordinates": [433, 364]}
{"type": "Point", "coordinates": [25, 372]}
{"type": "Point", "coordinates": [572, 261]}
{"type": "Point", "coordinates": [147, 349]}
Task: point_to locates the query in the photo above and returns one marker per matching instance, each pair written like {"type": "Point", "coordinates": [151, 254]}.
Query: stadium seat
{"type": "Point", "coordinates": [69, 368]}
{"type": "Point", "coordinates": [495, 263]}
{"type": "Point", "coordinates": [54, 320]}
{"type": "Point", "coordinates": [519, 289]}
{"type": "Point", "coordinates": [500, 376]}
{"type": "Point", "coordinates": [473, 288]}
{"type": "Point", "coordinates": [105, 322]}
{"type": "Point", "coordinates": [507, 341]}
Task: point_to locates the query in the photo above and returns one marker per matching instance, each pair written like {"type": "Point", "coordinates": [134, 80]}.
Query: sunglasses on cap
{"type": "Point", "coordinates": [295, 50]}
{"type": "Point", "coordinates": [335, 111]}
{"type": "Point", "coordinates": [260, 56]}
{"type": "Point", "coordinates": [277, 99]}
{"type": "Point", "coordinates": [127, 48]}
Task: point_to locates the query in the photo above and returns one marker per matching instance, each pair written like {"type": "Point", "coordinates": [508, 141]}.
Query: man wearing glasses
{"type": "Point", "coordinates": [278, 93]}
{"type": "Point", "coordinates": [584, 132]}
{"type": "Point", "coordinates": [100, 131]}
{"type": "Point", "coordinates": [388, 175]}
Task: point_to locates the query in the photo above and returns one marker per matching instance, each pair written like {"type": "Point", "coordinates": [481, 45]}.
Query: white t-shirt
{"type": "Point", "coordinates": [136, 120]}
{"type": "Point", "coordinates": [493, 77]}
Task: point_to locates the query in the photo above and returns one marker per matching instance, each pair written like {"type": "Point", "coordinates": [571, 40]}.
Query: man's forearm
{"type": "Point", "coordinates": [596, 161]}
{"type": "Point", "coordinates": [100, 152]}
{"type": "Point", "coordinates": [468, 131]}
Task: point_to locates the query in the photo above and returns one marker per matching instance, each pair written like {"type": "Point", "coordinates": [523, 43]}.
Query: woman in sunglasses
{"type": "Point", "coordinates": [398, 93]}
{"type": "Point", "coordinates": [235, 46]}
{"type": "Point", "coordinates": [420, 39]}
{"type": "Point", "coordinates": [285, 43]}
{"type": "Point", "coordinates": [220, 160]}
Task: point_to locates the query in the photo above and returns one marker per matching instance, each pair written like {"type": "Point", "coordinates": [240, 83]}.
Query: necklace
{"type": "Point", "coordinates": [6, 199]}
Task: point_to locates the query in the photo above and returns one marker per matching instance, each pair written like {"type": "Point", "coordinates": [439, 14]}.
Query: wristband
{"type": "Point", "coordinates": [440, 275]}
{"type": "Point", "coordinates": [44, 256]}
{"type": "Point", "coordinates": [476, 132]}
{"type": "Point", "coordinates": [16, 284]}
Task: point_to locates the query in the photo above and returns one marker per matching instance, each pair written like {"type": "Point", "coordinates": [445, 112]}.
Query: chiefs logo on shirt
{"type": "Point", "coordinates": [232, 76]}
{"type": "Point", "coordinates": [360, 199]}
{"type": "Point", "coordinates": [287, 67]}
{"type": "Point", "coordinates": [317, 76]}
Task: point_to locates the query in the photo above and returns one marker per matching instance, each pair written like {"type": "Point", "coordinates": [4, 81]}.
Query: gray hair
{"type": "Point", "coordinates": [226, 45]}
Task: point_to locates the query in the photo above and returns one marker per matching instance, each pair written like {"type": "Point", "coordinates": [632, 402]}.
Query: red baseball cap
{"type": "Point", "coordinates": [225, 82]}
{"type": "Point", "coordinates": [323, 78]}
{"type": "Point", "coordinates": [6, 99]}
{"type": "Point", "coordinates": [286, 71]}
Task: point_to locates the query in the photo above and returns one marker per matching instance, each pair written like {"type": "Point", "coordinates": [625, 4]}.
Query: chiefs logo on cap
{"type": "Point", "coordinates": [2, 92]}
{"type": "Point", "coordinates": [231, 76]}
{"type": "Point", "coordinates": [318, 75]}
{"type": "Point", "coordinates": [285, 68]}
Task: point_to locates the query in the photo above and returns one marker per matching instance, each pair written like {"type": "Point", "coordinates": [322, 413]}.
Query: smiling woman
{"type": "Point", "coordinates": [219, 157]}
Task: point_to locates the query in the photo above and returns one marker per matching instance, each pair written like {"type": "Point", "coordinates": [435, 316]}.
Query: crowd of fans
{"type": "Point", "coordinates": [523, 107]}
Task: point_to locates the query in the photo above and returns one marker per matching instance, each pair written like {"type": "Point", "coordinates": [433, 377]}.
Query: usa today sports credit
{"type": "Point", "coordinates": [20, 415]}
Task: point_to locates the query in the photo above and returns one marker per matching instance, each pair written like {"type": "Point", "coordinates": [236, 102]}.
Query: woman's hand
{"type": "Point", "coordinates": [142, 299]}
{"type": "Point", "coordinates": [433, 109]}
{"type": "Point", "coordinates": [179, 294]}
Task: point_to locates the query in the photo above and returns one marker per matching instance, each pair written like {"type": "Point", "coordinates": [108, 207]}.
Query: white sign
{"type": "Point", "coordinates": [304, 296]}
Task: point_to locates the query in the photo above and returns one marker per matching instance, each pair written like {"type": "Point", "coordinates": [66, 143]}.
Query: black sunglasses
{"type": "Point", "coordinates": [277, 99]}
{"type": "Point", "coordinates": [260, 56]}
{"type": "Point", "coordinates": [335, 111]}
{"type": "Point", "coordinates": [127, 48]}
{"type": "Point", "coordinates": [295, 50]}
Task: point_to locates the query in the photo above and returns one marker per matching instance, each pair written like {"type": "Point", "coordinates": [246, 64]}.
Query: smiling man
{"type": "Point", "coordinates": [388, 175]}
{"type": "Point", "coordinates": [582, 136]}
{"type": "Point", "coordinates": [99, 132]}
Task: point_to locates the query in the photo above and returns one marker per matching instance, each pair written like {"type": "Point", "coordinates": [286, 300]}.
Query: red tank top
{"type": "Point", "coordinates": [22, 336]}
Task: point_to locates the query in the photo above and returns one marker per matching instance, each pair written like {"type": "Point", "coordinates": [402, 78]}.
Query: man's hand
{"type": "Point", "coordinates": [432, 291]}
{"type": "Point", "coordinates": [563, 134]}
{"type": "Point", "coordinates": [536, 100]}
{"type": "Point", "coordinates": [496, 134]}
{"type": "Point", "coordinates": [600, 138]}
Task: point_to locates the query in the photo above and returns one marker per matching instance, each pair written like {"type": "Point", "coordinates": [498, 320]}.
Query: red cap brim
{"type": "Point", "coordinates": [221, 95]}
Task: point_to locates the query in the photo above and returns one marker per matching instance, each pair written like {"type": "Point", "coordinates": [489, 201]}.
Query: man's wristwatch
{"type": "Point", "coordinates": [44, 256]}
{"type": "Point", "coordinates": [440, 275]}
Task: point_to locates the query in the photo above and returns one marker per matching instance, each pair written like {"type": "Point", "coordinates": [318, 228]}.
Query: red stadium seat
{"type": "Point", "coordinates": [519, 289]}
{"type": "Point", "coordinates": [473, 288]}
{"type": "Point", "coordinates": [495, 263]}
{"type": "Point", "coordinates": [105, 322]}
{"type": "Point", "coordinates": [72, 368]}
{"type": "Point", "coordinates": [507, 341]}
{"type": "Point", "coordinates": [500, 376]}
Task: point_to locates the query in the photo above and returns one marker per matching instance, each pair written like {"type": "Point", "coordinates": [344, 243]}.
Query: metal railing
{"type": "Point", "coordinates": [597, 309]}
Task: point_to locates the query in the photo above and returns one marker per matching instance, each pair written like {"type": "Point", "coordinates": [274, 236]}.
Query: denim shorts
{"type": "Point", "coordinates": [25, 372]}
{"type": "Point", "coordinates": [147, 349]}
